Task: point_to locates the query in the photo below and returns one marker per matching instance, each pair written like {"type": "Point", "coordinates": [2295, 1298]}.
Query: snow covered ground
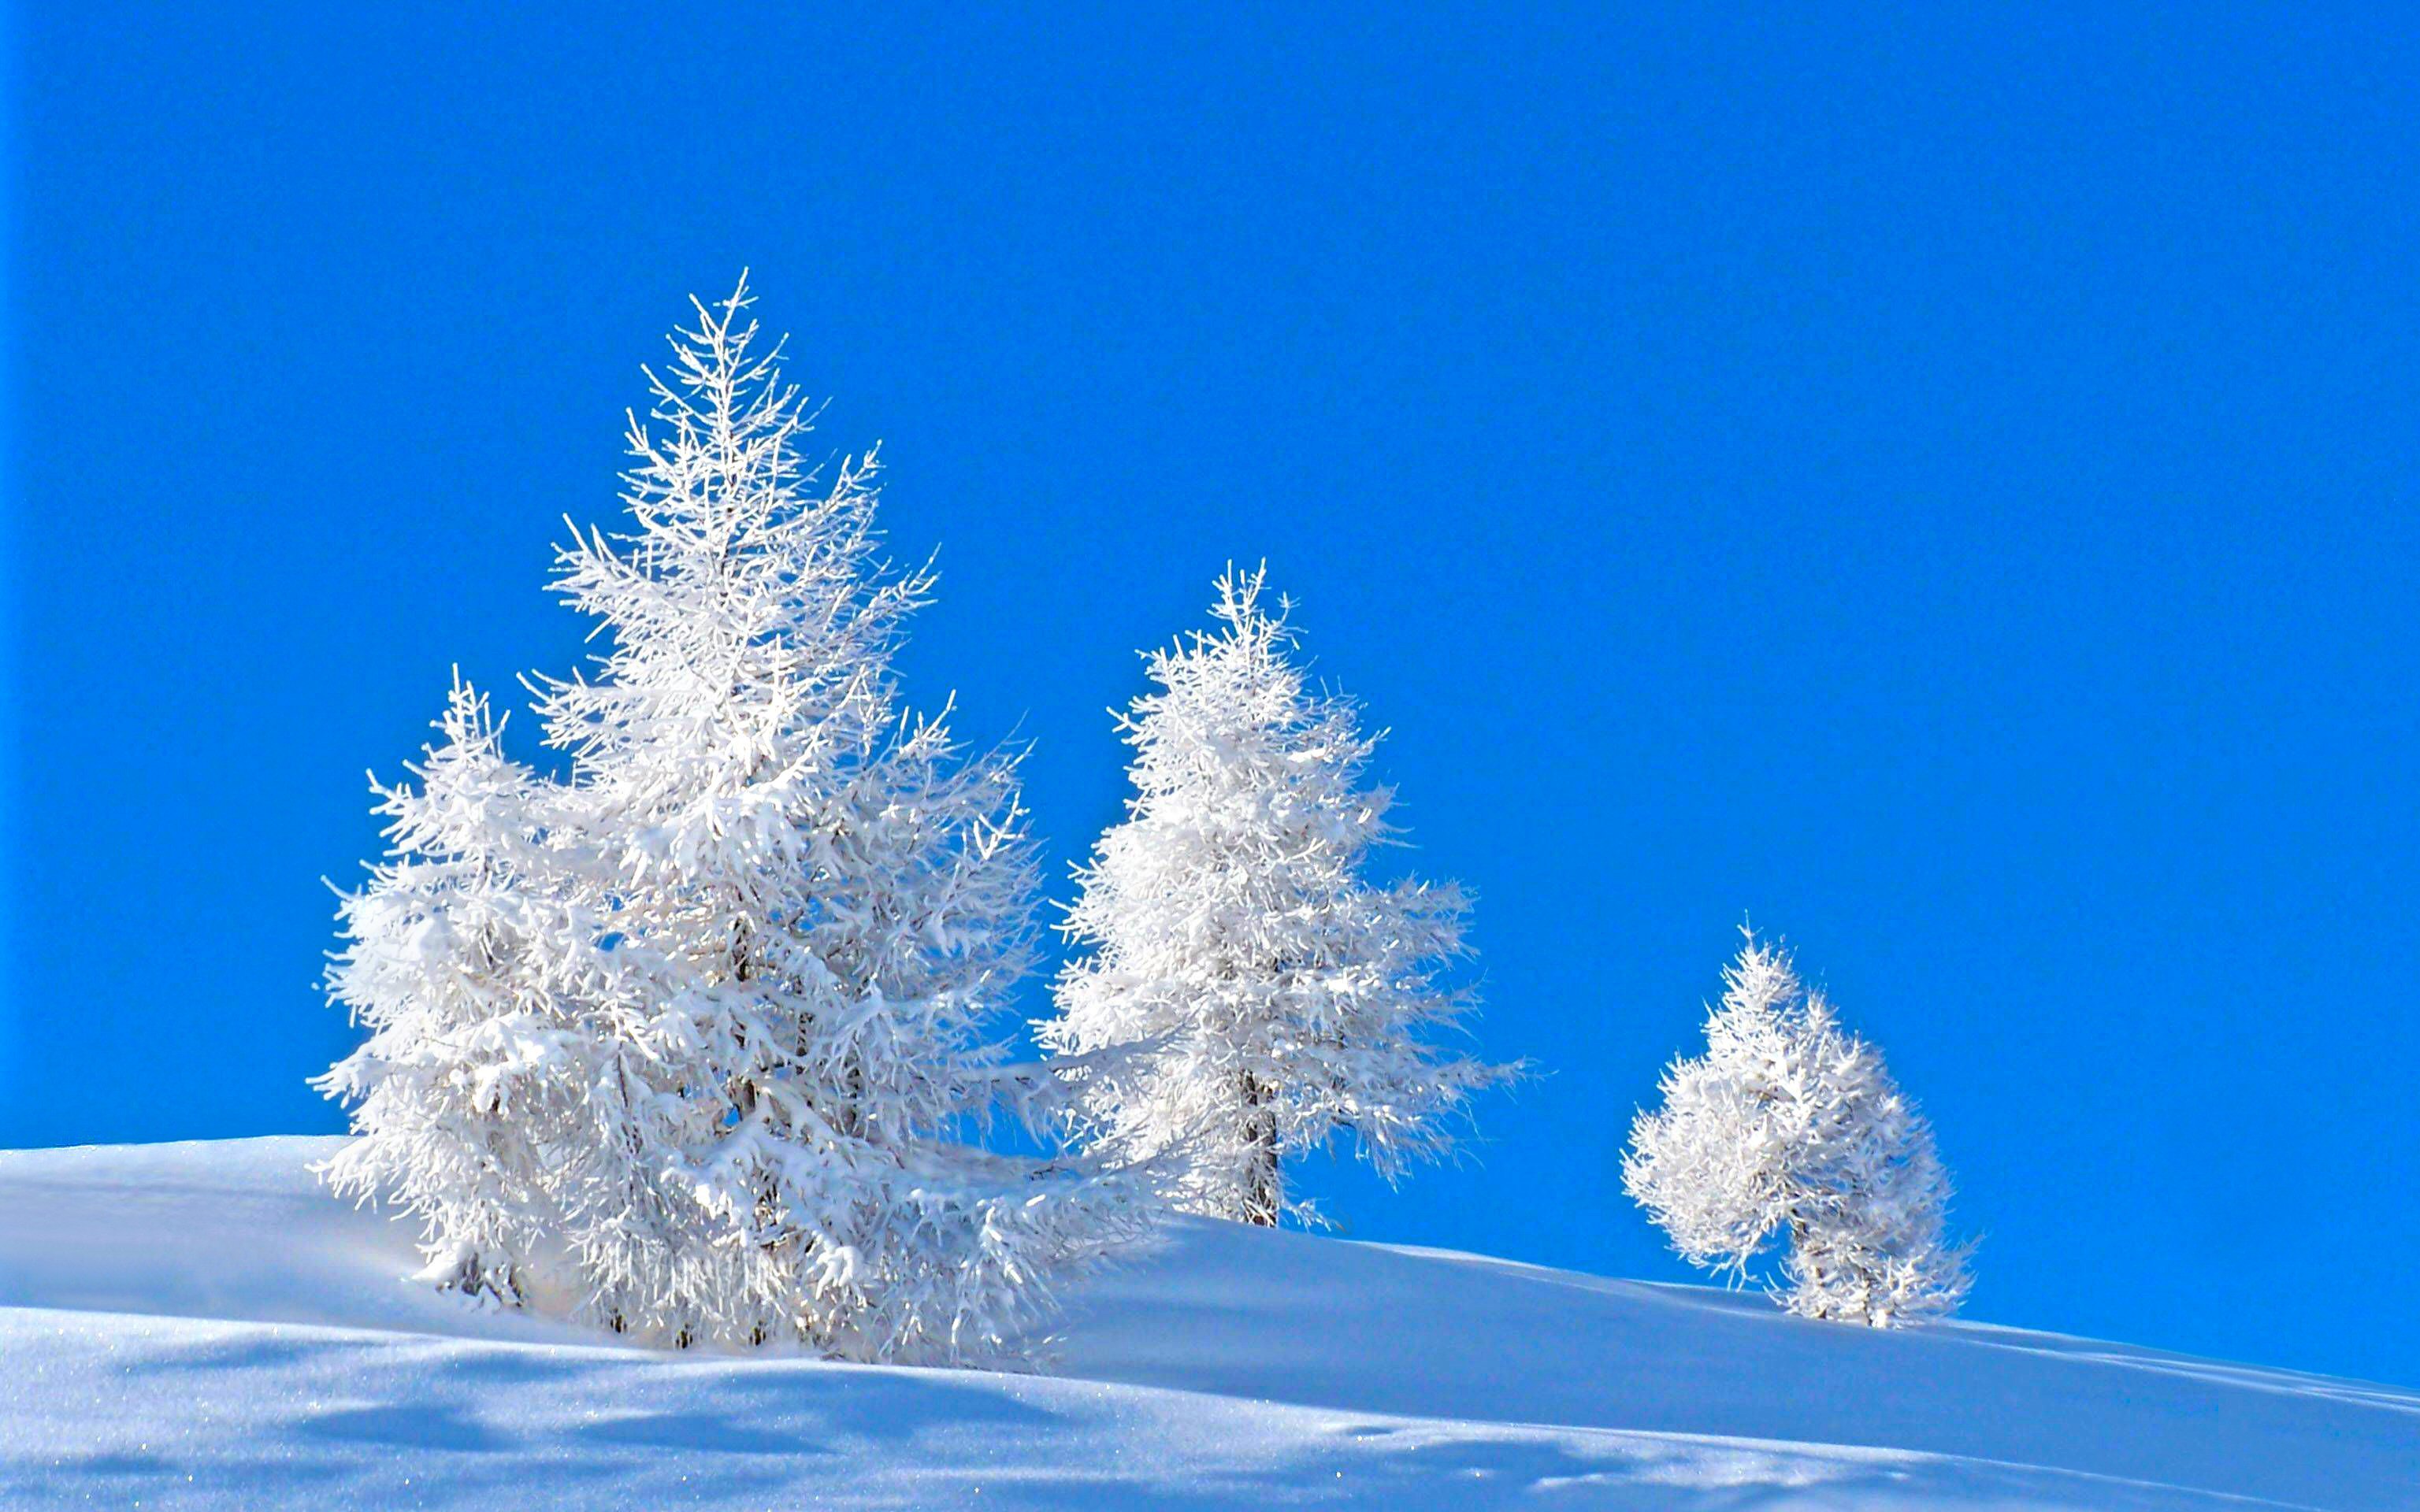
{"type": "Point", "coordinates": [198, 1325]}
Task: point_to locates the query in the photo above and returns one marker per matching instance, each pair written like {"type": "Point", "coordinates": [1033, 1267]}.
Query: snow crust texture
{"type": "Point", "coordinates": [199, 1325]}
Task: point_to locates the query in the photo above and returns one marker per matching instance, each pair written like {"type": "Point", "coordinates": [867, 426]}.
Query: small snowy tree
{"type": "Point", "coordinates": [464, 962]}
{"type": "Point", "coordinates": [1789, 1126]}
{"type": "Point", "coordinates": [785, 920]}
{"type": "Point", "coordinates": [1256, 995]}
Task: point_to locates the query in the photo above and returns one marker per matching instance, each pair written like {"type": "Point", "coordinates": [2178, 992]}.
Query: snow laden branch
{"type": "Point", "coordinates": [1271, 997]}
{"type": "Point", "coordinates": [697, 1040]}
{"type": "Point", "coordinates": [1789, 1127]}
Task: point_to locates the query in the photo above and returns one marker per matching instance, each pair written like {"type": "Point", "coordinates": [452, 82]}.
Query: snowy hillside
{"type": "Point", "coordinates": [197, 1325]}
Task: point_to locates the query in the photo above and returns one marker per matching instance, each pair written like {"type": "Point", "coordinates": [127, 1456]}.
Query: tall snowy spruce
{"type": "Point", "coordinates": [1251, 994]}
{"type": "Point", "coordinates": [1788, 1126]}
{"type": "Point", "coordinates": [753, 1017]}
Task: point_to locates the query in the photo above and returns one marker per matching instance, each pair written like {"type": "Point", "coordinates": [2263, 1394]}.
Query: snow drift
{"type": "Point", "coordinates": [198, 1325]}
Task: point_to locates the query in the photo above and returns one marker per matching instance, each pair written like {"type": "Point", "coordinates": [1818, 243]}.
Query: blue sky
{"type": "Point", "coordinates": [1941, 484]}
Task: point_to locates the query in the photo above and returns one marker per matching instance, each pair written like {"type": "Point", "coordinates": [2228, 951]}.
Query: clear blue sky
{"type": "Point", "coordinates": [1942, 485]}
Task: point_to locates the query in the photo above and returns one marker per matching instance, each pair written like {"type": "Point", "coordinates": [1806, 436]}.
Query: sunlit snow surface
{"type": "Point", "coordinates": [198, 1325]}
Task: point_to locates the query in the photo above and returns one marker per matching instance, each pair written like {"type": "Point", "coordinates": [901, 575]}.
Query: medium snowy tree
{"type": "Point", "coordinates": [1259, 995]}
{"type": "Point", "coordinates": [1788, 1126]}
{"type": "Point", "coordinates": [792, 915]}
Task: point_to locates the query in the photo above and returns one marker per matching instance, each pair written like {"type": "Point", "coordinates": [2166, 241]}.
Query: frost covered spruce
{"type": "Point", "coordinates": [1260, 997]}
{"type": "Point", "coordinates": [464, 958]}
{"type": "Point", "coordinates": [1789, 1126]}
{"type": "Point", "coordinates": [694, 1044]}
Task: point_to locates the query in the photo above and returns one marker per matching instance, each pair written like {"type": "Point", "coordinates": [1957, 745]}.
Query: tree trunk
{"type": "Point", "coordinates": [1264, 1198]}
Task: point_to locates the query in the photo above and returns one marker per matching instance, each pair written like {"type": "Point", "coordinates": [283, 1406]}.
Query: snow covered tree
{"type": "Point", "coordinates": [1258, 995]}
{"type": "Point", "coordinates": [1789, 1126]}
{"type": "Point", "coordinates": [462, 962]}
{"type": "Point", "coordinates": [787, 919]}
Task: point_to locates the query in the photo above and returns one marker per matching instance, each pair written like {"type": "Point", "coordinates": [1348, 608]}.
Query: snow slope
{"type": "Point", "coordinates": [197, 1325]}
